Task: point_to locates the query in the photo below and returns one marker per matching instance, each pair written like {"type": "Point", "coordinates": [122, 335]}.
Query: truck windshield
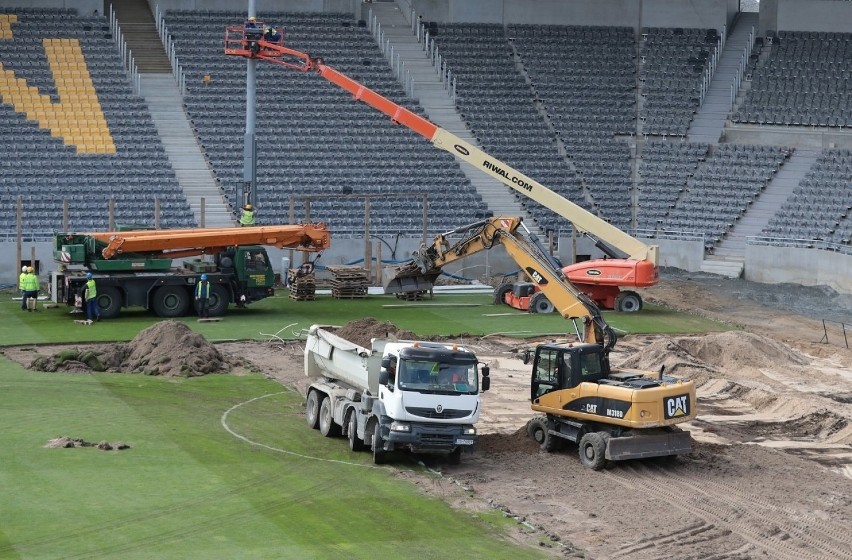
{"type": "Point", "coordinates": [438, 377]}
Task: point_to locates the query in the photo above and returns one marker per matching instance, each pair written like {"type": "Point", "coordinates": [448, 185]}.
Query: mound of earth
{"type": "Point", "coordinates": [361, 331]}
{"type": "Point", "coordinates": [166, 348]}
{"type": "Point", "coordinates": [713, 352]}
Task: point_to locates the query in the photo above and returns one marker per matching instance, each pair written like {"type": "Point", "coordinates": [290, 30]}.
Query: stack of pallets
{"type": "Point", "coordinates": [302, 287]}
{"type": "Point", "coordinates": [349, 282]}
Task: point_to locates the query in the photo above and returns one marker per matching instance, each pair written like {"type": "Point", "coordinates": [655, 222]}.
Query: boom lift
{"type": "Point", "coordinates": [631, 263]}
{"type": "Point", "coordinates": [613, 414]}
{"type": "Point", "coordinates": [135, 268]}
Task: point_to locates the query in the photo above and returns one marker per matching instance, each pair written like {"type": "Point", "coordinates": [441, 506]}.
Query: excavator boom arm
{"type": "Point", "coordinates": [570, 302]}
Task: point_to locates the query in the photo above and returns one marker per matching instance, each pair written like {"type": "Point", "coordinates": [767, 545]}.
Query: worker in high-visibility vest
{"type": "Point", "coordinates": [30, 296]}
{"type": "Point", "coordinates": [202, 297]}
{"type": "Point", "coordinates": [247, 217]}
{"type": "Point", "coordinates": [21, 287]}
{"type": "Point", "coordinates": [90, 296]}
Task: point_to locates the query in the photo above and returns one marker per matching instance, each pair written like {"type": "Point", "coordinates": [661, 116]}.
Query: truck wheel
{"type": "Point", "coordinates": [540, 304]}
{"type": "Point", "coordinates": [109, 301]}
{"type": "Point", "coordinates": [171, 301]}
{"type": "Point", "coordinates": [500, 293]}
{"type": "Point", "coordinates": [312, 410]}
{"type": "Point", "coordinates": [628, 302]}
{"type": "Point", "coordinates": [593, 450]}
{"type": "Point", "coordinates": [538, 430]}
{"type": "Point", "coordinates": [355, 443]}
{"type": "Point", "coordinates": [218, 304]}
{"type": "Point", "coordinates": [327, 427]}
{"type": "Point", "coordinates": [379, 454]}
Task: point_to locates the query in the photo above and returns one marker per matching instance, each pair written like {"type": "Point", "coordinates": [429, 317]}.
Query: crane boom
{"type": "Point", "coordinates": [584, 221]}
{"type": "Point", "coordinates": [176, 243]}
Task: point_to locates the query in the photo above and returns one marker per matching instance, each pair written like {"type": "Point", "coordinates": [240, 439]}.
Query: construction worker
{"type": "Point", "coordinates": [21, 287]}
{"type": "Point", "coordinates": [202, 297]}
{"type": "Point", "coordinates": [247, 216]}
{"type": "Point", "coordinates": [272, 35]}
{"type": "Point", "coordinates": [30, 290]}
{"type": "Point", "coordinates": [90, 296]}
{"type": "Point", "coordinates": [253, 34]}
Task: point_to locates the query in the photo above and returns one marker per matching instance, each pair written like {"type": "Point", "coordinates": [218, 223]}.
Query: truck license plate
{"type": "Point", "coordinates": [462, 441]}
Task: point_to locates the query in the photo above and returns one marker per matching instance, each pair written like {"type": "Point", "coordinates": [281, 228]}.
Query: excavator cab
{"type": "Point", "coordinates": [557, 367]}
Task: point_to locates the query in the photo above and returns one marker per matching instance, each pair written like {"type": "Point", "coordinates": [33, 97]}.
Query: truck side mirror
{"type": "Point", "coordinates": [383, 376]}
{"type": "Point", "coordinates": [486, 380]}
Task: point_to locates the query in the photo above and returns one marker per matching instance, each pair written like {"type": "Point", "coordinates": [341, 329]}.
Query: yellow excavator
{"type": "Point", "coordinates": [612, 414]}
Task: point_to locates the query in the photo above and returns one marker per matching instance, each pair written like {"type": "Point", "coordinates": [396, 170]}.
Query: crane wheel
{"type": "Point", "coordinates": [500, 293]}
{"type": "Point", "coordinates": [540, 304]}
{"type": "Point", "coordinates": [628, 302]}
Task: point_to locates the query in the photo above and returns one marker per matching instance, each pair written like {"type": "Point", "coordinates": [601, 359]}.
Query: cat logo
{"type": "Point", "coordinates": [676, 406]}
{"type": "Point", "coordinates": [536, 276]}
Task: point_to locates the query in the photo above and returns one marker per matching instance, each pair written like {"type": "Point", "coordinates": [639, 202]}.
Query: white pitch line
{"type": "Point", "coordinates": [224, 422]}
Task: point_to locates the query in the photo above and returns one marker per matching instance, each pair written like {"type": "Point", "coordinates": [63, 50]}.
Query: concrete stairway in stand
{"type": "Point", "coordinates": [730, 254]}
{"type": "Point", "coordinates": [432, 95]}
{"type": "Point", "coordinates": [709, 122]}
{"type": "Point", "coordinates": [137, 25]}
{"type": "Point", "coordinates": [166, 107]}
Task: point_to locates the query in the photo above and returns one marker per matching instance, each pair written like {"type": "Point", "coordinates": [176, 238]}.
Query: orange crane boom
{"type": "Point", "coordinates": [176, 243]}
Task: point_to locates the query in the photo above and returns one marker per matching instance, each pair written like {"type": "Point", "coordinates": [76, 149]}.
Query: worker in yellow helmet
{"type": "Point", "coordinates": [30, 297]}
{"type": "Point", "coordinates": [21, 287]}
{"type": "Point", "coordinates": [247, 216]}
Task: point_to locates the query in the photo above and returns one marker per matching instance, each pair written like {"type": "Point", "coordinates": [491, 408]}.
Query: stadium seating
{"type": "Point", "coordinates": [72, 129]}
{"type": "Point", "coordinates": [803, 81]}
{"type": "Point", "coordinates": [821, 206]}
{"type": "Point", "coordinates": [313, 140]}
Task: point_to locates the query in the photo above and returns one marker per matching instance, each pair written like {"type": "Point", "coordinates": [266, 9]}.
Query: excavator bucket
{"type": "Point", "coordinates": [407, 278]}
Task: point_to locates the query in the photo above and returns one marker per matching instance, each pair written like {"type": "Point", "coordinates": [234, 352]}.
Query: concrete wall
{"type": "Point", "coordinates": [791, 137]}
{"type": "Point", "coordinates": [814, 15]}
{"type": "Point", "coordinates": [654, 13]}
{"type": "Point", "coordinates": [809, 267]}
{"type": "Point", "coordinates": [261, 6]}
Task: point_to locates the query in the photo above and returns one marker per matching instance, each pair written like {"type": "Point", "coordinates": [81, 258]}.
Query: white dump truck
{"type": "Point", "coordinates": [400, 394]}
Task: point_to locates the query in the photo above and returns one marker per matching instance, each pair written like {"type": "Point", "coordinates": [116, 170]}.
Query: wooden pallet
{"type": "Point", "coordinates": [349, 282]}
{"type": "Point", "coordinates": [302, 288]}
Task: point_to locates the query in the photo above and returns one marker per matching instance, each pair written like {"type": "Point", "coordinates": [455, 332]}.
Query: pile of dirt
{"type": "Point", "coordinates": [690, 355]}
{"type": "Point", "coordinates": [361, 331]}
{"type": "Point", "coordinates": [65, 442]}
{"type": "Point", "coordinates": [166, 348]}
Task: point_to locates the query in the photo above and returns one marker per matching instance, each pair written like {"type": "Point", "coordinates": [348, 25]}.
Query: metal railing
{"type": "Point", "coordinates": [127, 59]}
{"type": "Point", "coordinates": [430, 49]}
{"type": "Point", "coordinates": [169, 45]}
{"type": "Point", "coordinates": [800, 243]}
{"type": "Point", "coordinates": [741, 71]}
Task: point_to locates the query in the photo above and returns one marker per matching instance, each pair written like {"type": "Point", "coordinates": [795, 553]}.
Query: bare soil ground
{"type": "Point", "coordinates": [770, 474]}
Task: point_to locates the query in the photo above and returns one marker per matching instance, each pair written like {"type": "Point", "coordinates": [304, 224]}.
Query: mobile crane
{"type": "Point", "coordinates": [612, 414]}
{"type": "Point", "coordinates": [136, 268]}
{"type": "Point", "coordinates": [630, 262]}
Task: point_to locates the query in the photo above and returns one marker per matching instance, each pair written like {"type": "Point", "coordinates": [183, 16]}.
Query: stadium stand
{"type": "Point", "coordinates": [499, 107]}
{"type": "Point", "coordinates": [586, 78]}
{"type": "Point", "coordinates": [313, 140]}
{"type": "Point", "coordinates": [673, 62]}
{"type": "Point", "coordinates": [821, 206]}
{"type": "Point", "coordinates": [664, 172]}
{"type": "Point", "coordinates": [804, 80]}
{"type": "Point", "coordinates": [72, 129]}
{"type": "Point", "coordinates": [719, 188]}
